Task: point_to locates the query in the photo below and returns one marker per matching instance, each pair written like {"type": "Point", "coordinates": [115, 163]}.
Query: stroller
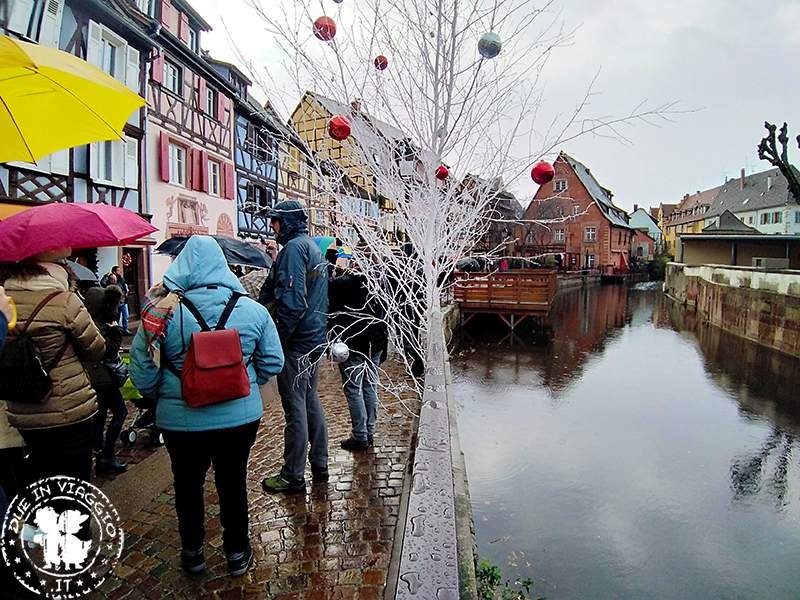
{"type": "Point", "coordinates": [144, 419]}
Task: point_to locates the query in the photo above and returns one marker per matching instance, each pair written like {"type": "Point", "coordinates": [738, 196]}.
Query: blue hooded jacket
{"type": "Point", "coordinates": [300, 282]}
{"type": "Point", "coordinates": [201, 273]}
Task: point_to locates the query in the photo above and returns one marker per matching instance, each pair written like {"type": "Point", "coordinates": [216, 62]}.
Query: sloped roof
{"type": "Point", "coordinates": [766, 189]}
{"type": "Point", "coordinates": [668, 209]}
{"type": "Point", "coordinates": [359, 119]}
{"type": "Point", "coordinates": [654, 213]}
{"type": "Point", "coordinates": [646, 214]}
{"type": "Point", "coordinates": [690, 202]}
{"type": "Point", "coordinates": [601, 195]}
{"type": "Point", "coordinates": [729, 223]}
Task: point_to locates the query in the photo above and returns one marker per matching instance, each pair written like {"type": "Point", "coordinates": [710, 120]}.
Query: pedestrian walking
{"type": "Point", "coordinates": [57, 424]}
{"type": "Point", "coordinates": [359, 322]}
{"type": "Point", "coordinates": [107, 376]}
{"type": "Point", "coordinates": [116, 277]}
{"type": "Point", "coordinates": [217, 425]}
{"type": "Point", "coordinates": [299, 290]}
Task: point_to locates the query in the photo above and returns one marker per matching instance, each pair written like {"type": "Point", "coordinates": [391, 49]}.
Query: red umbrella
{"type": "Point", "coordinates": [68, 225]}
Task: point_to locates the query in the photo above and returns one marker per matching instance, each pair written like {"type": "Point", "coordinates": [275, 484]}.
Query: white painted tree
{"type": "Point", "coordinates": [438, 102]}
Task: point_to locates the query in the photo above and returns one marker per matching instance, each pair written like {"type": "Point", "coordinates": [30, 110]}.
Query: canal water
{"type": "Point", "coordinates": [630, 452]}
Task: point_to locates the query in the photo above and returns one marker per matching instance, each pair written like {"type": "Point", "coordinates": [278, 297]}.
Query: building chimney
{"type": "Point", "coordinates": [741, 180]}
{"type": "Point", "coordinates": [635, 207]}
{"type": "Point", "coordinates": [356, 105]}
{"type": "Point", "coordinates": [769, 182]}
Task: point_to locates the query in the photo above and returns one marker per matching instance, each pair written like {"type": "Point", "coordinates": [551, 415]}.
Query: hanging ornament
{"type": "Point", "coordinates": [338, 1]}
{"type": "Point", "coordinates": [340, 351]}
{"type": "Point", "coordinates": [489, 45]}
{"type": "Point", "coordinates": [442, 173]}
{"type": "Point", "coordinates": [542, 172]}
{"type": "Point", "coordinates": [325, 29]}
{"type": "Point", "coordinates": [381, 62]}
{"type": "Point", "coordinates": [339, 128]}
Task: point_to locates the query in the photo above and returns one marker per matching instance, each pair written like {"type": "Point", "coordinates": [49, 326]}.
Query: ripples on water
{"type": "Point", "coordinates": [626, 451]}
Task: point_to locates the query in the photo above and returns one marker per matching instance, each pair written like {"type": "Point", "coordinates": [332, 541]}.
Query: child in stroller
{"type": "Point", "coordinates": [145, 419]}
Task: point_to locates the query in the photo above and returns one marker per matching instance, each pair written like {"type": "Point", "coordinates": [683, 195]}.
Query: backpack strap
{"type": "Point", "coordinates": [22, 330]}
{"type": "Point", "coordinates": [223, 319]}
{"type": "Point", "coordinates": [196, 313]}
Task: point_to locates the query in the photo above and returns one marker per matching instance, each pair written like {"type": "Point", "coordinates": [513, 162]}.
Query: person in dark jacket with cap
{"type": "Point", "coordinates": [359, 322]}
{"type": "Point", "coordinates": [299, 290]}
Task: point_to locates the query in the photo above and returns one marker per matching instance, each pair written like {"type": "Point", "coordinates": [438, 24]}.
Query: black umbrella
{"type": "Point", "coordinates": [81, 272]}
{"type": "Point", "coordinates": [236, 251]}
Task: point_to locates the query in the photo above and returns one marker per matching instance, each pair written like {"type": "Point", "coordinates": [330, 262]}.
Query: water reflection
{"type": "Point", "coordinates": [633, 452]}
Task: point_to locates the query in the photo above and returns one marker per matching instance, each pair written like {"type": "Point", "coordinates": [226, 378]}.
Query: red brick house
{"type": "Point", "coordinates": [582, 225]}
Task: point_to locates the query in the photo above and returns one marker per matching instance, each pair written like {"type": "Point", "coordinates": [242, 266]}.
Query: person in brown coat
{"type": "Point", "coordinates": [57, 432]}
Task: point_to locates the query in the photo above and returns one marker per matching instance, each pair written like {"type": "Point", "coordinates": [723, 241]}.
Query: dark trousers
{"type": "Point", "coordinates": [11, 471]}
{"type": "Point", "coordinates": [109, 398]}
{"type": "Point", "coordinates": [191, 453]}
{"type": "Point", "coordinates": [65, 450]}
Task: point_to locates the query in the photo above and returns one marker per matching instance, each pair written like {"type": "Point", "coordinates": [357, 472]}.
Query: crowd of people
{"type": "Point", "coordinates": [203, 349]}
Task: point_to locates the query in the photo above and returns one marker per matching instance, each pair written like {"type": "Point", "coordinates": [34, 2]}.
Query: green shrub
{"type": "Point", "coordinates": [490, 577]}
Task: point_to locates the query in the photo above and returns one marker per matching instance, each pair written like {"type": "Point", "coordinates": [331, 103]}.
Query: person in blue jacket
{"type": "Point", "coordinates": [299, 292]}
{"type": "Point", "coordinates": [220, 434]}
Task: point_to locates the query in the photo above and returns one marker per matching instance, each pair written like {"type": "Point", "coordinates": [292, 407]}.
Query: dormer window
{"type": "Point", "coordinates": [192, 41]}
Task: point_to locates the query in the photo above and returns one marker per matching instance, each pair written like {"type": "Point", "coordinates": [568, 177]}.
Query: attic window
{"type": "Point", "coordinates": [746, 200]}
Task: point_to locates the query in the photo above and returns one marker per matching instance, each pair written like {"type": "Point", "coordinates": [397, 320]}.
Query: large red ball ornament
{"type": "Point", "coordinates": [542, 172]}
{"type": "Point", "coordinates": [339, 128]}
{"type": "Point", "coordinates": [325, 29]}
{"type": "Point", "coordinates": [381, 62]}
{"type": "Point", "coordinates": [442, 173]}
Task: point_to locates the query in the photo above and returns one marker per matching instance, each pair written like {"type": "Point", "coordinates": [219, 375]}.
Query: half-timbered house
{"type": "Point", "coordinates": [190, 130]}
{"type": "Point", "coordinates": [101, 32]}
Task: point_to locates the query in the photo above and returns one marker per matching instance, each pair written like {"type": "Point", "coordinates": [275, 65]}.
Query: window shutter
{"type": "Point", "coordinates": [19, 18]}
{"type": "Point", "coordinates": [94, 160]}
{"type": "Point", "coordinates": [183, 28]}
{"type": "Point", "coordinates": [203, 171]}
{"type": "Point", "coordinates": [94, 46]}
{"type": "Point", "coordinates": [157, 69]}
{"type": "Point", "coordinates": [229, 186]}
{"type": "Point", "coordinates": [59, 162]}
{"type": "Point", "coordinates": [166, 8]}
{"type": "Point", "coordinates": [201, 94]}
{"type": "Point", "coordinates": [196, 169]}
{"type": "Point", "coordinates": [50, 30]}
{"type": "Point", "coordinates": [132, 73]}
{"type": "Point", "coordinates": [131, 177]}
{"type": "Point", "coordinates": [164, 156]}
{"type": "Point", "coordinates": [118, 160]}
{"type": "Point", "coordinates": [221, 102]}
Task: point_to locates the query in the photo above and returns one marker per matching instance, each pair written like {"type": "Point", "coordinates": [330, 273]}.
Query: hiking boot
{"type": "Point", "coordinates": [319, 475]}
{"type": "Point", "coordinates": [193, 561]}
{"type": "Point", "coordinates": [353, 444]}
{"type": "Point", "coordinates": [239, 562]}
{"type": "Point", "coordinates": [280, 484]}
{"type": "Point", "coordinates": [110, 465]}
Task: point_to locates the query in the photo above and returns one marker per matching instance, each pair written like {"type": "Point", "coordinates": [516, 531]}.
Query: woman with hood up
{"type": "Point", "coordinates": [219, 434]}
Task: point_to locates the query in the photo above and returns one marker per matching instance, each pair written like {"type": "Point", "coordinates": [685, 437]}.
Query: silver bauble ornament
{"type": "Point", "coordinates": [339, 352]}
{"type": "Point", "coordinates": [489, 45]}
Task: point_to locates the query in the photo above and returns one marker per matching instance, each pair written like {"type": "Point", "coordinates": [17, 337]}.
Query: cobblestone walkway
{"type": "Point", "coordinates": [335, 542]}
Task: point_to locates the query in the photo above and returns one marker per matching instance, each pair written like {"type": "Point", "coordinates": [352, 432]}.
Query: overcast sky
{"type": "Point", "coordinates": [735, 61]}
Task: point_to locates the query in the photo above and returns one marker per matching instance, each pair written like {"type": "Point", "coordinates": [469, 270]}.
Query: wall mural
{"type": "Point", "coordinates": [186, 216]}
{"type": "Point", "coordinates": [225, 226]}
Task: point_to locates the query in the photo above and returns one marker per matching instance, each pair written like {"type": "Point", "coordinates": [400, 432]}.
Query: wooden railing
{"type": "Point", "coordinates": [524, 291]}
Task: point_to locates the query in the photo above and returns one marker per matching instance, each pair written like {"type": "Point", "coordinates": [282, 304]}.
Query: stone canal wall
{"type": "Point", "coordinates": [761, 306]}
{"type": "Point", "coordinates": [437, 559]}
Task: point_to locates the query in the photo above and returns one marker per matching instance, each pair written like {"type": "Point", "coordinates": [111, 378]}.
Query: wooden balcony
{"type": "Point", "coordinates": [513, 296]}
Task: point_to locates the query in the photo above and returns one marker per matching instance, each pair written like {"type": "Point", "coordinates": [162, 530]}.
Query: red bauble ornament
{"type": "Point", "coordinates": [442, 173]}
{"type": "Point", "coordinates": [381, 62]}
{"type": "Point", "coordinates": [339, 128]}
{"type": "Point", "coordinates": [325, 29]}
{"type": "Point", "coordinates": [542, 172]}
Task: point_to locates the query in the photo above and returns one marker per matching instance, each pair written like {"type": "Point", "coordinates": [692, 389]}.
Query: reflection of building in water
{"type": "Point", "coordinates": [765, 384]}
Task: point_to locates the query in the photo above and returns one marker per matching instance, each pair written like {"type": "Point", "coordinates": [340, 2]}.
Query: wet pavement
{"type": "Point", "coordinates": [334, 542]}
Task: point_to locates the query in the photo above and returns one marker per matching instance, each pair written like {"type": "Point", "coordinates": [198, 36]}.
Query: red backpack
{"type": "Point", "coordinates": [214, 370]}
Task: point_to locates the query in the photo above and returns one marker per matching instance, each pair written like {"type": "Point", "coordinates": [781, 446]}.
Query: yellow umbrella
{"type": "Point", "coordinates": [51, 100]}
